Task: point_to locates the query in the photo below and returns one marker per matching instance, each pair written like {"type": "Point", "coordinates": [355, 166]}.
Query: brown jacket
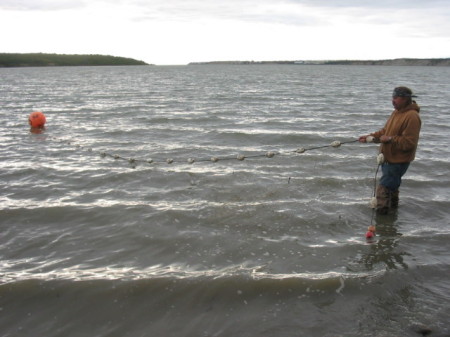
{"type": "Point", "coordinates": [404, 128]}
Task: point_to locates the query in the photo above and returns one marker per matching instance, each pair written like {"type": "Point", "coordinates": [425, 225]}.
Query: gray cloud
{"type": "Point", "coordinates": [382, 4]}
{"type": "Point", "coordinates": [252, 11]}
{"type": "Point", "coordinates": [229, 8]}
{"type": "Point", "coordinates": [46, 5]}
{"type": "Point", "coordinates": [430, 17]}
{"type": "Point", "coordinates": [271, 11]}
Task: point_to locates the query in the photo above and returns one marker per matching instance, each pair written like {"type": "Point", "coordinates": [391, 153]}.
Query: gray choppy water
{"type": "Point", "coordinates": [92, 245]}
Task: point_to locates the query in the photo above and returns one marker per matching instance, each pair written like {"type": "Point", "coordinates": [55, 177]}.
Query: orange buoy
{"type": "Point", "coordinates": [370, 232]}
{"type": "Point", "coordinates": [370, 235]}
{"type": "Point", "coordinates": [37, 119]}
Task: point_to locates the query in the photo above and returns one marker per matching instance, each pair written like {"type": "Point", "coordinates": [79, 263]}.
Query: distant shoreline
{"type": "Point", "coordinates": [441, 62]}
{"type": "Point", "coordinates": [11, 60]}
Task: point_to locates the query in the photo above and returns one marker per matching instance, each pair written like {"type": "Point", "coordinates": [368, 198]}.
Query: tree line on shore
{"type": "Point", "coordinates": [394, 62]}
{"type": "Point", "coordinates": [46, 60]}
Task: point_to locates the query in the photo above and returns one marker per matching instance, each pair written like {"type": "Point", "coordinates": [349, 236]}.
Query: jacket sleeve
{"type": "Point", "coordinates": [410, 135]}
{"type": "Point", "coordinates": [379, 133]}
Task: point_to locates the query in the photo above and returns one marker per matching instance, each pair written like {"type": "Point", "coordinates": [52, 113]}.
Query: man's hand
{"type": "Point", "coordinates": [369, 139]}
{"type": "Point", "coordinates": [363, 139]}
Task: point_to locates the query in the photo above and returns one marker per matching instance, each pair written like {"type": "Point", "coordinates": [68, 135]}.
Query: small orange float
{"type": "Point", "coordinates": [37, 119]}
{"type": "Point", "coordinates": [370, 232]}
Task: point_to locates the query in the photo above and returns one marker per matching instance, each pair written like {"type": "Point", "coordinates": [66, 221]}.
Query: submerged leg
{"type": "Point", "coordinates": [383, 199]}
{"type": "Point", "coordinates": [395, 198]}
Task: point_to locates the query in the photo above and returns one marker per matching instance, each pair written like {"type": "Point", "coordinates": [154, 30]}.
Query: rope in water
{"type": "Point", "coordinates": [373, 202]}
{"type": "Point", "coordinates": [270, 154]}
{"type": "Point", "coordinates": [240, 157]}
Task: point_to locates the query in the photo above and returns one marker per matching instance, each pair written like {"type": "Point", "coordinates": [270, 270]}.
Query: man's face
{"type": "Point", "coordinates": [399, 102]}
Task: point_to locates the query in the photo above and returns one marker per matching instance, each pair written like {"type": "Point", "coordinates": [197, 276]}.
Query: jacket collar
{"type": "Point", "coordinates": [412, 106]}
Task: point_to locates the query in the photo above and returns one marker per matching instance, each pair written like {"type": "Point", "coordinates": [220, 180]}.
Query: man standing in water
{"type": "Point", "coordinates": [398, 139]}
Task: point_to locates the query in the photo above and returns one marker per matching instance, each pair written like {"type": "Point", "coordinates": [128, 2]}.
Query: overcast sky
{"type": "Point", "coordinates": [182, 31]}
